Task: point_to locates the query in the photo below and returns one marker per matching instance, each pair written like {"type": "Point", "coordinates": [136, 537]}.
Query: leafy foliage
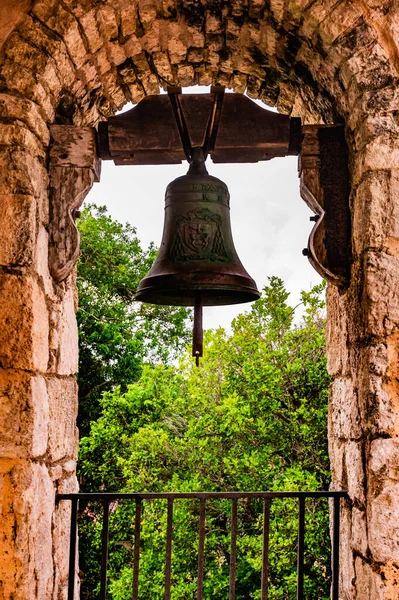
{"type": "Point", "coordinates": [116, 334]}
{"type": "Point", "coordinates": [253, 417]}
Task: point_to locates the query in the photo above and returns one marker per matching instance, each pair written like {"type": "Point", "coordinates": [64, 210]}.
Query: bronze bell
{"type": "Point", "coordinates": [197, 264]}
{"type": "Point", "coordinates": [197, 254]}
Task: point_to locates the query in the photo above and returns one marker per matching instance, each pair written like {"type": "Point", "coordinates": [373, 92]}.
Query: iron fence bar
{"type": "Point", "coordinates": [301, 547]}
{"type": "Point", "coordinates": [169, 533]}
{"type": "Point", "coordinates": [233, 549]}
{"type": "Point", "coordinates": [335, 550]}
{"type": "Point", "coordinates": [201, 549]}
{"type": "Point", "coordinates": [72, 548]}
{"type": "Point", "coordinates": [136, 555]}
{"type": "Point", "coordinates": [104, 552]}
{"type": "Point", "coordinates": [265, 549]}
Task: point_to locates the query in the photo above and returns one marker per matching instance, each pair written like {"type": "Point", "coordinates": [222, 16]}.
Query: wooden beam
{"type": "Point", "coordinates": [324, 185]}
{"type": "Point", "coordinates": [148, 134]}
{"type": "Point", "coordinates": [74, 166]}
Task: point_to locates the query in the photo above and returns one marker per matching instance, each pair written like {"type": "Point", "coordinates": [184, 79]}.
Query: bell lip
{"type": "Point", "coordinates": [217, 295]}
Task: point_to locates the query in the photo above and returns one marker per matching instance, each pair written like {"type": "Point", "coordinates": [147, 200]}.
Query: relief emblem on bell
{"type": "Point", "coordinates": [198, 236]}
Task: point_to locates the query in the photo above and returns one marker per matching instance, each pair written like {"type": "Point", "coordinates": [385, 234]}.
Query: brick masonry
{"type": "Point", "coordinates": [77, 62]}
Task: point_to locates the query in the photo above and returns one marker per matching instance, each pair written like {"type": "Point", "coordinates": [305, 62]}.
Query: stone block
{"type": "Point", "coordinates": [355, 471]}
{"type": "Point", "coordinates": [18, 219]}
{"type": "Point", "coordinates": [23, 174]}
{"type": "Point", "coordinates": [341, 20]}
{"type": "Point", "coordinates": [383, 529]}
{"type": "Point", "coordinates": [344, 410]}
{"type": "Point", "coordinates": [186, 75]}
{"type": "Point", "coordinates": [128, 20]}
{"type": "Point", "coordinates": [383, 463]}
{"type": "Point", "coordinates": [156, 39]}
{"type": "Point", "coordinates": [75, 45]}
{"type": "Point", "coordinates": [24, 415]}
{"type": "Point", "coordinates": [67, 363]}
{"type": "Point", "coordinates": [346, 558]}
{"type": "Point", "coordinates": [375, 211]}
{"type": "Point", "coordinates": [147, 12]}
{"type": "Point", "coordinates": [22, 81]}
{"type": "Point", "coordinates": [377, 154]}
{"type": "Point", "coordinates": [23, 53]}
{"type": "Point", "coordinates": [359, 531]}
{"type": "Point", "coordinates": [90, 27]}
{"type": "Point", "coordinates": [26, 546]}
{"type": "Point", "coordinates": [63, 407]}
{"type": "Point", "coordinates": [368, 583]}
{"type": "Point", "coordinates": [116, 53]}
{"type": "Point", "coordinates": [25, 324]}
{"type": "Point", "coordinates": [13, 107]}
{"type": "Point", "coordinates": [379, 406]}
{"type": "Point", "coordinates": [163, 66]}
{"type": "Point", "coordinates": [381, 293]}
{"type": "Point", "coordinates": [18, 135]}
{"type": "Point", "coordinates": [213, 23]}
{"type": "Point", "coordinates": [337, 333]}
{"type": "Point", "coordinates": [347, 468]}
{"type": "Point", "coordinates": [177, 50]}
{"type": "Point", "coordinates": [52, 46]}
{"type": "Point", "coordinates": [108, 23]}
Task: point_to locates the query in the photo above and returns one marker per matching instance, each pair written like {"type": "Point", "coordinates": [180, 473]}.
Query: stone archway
{"type": "Point", "coordinates": [77, 62]}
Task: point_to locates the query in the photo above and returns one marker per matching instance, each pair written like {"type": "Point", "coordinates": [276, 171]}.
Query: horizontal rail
{"type": "Point", "coordinates": [138, 497]}
{"type": "Point", "coordinates": [109, 496]}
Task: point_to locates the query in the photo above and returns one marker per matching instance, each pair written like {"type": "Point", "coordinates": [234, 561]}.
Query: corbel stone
{"type": "Point", "coordinates": [74, 166]}
{"type": "Point", "coordinates": [324, 186]}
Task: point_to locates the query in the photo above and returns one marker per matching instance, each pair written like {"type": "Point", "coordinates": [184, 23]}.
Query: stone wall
{"type": "Point", "coordinates": [38, 358]}
{"type": "Point", "coordinates": [78, 61]}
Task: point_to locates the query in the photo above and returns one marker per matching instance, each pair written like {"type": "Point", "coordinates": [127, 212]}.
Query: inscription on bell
{"type": "Point", "coordinates": [209, 187]}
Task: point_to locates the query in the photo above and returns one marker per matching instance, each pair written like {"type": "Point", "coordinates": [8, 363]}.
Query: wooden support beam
{"type": "Point", "coordinates": [324, 185]}
{"type": "Point", "coordinates": [148, 133]}
{"type": "Point", "coordinates": [74, 166]}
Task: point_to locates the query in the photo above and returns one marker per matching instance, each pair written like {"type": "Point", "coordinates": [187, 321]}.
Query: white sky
{"type": "Point", "coordinates": [270, 221]}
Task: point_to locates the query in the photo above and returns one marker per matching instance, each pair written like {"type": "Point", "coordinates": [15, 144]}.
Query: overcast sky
{"type": "Point", "coordinates": [270, 221]}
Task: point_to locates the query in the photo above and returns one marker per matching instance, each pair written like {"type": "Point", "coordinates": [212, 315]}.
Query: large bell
{"type": "Point", "coordinates": [197, 257]}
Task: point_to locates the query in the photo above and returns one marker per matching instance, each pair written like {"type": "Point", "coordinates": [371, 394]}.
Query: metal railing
{"type": "Point", "coordinates": [108, 498]}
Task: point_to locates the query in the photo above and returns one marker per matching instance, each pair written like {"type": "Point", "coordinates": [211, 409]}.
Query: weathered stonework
{"type": "Point", "coordinates": [78, 61]}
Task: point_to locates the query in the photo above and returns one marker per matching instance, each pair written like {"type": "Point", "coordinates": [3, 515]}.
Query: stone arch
{"type": "Point", "coordinates": [78, 61]}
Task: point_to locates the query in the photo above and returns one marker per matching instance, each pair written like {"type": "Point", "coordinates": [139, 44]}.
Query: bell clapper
{"type": "Point", "coordinates": [198, 333]}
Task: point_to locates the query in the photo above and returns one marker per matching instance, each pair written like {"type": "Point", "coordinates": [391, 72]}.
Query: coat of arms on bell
{"type": "Point", "coordinates": [198, 236]}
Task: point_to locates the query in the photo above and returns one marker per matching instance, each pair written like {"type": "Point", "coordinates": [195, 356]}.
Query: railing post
{"type": "Point", "coordinates": [301, 546]}
{"type": "Point", "coordinates": [104, 551]}
{"type": "Point", "coordinates": [265, 549]}
{"type": "Point", "coordinates": [233, 549]}
{"type": "Point", "coordinates": [201, 549]}
{"type": "Point", "coordinates": [72, 548]}
{"type": "Point", "coordinates": [335, 549]}
{"type": "Point", "coordinates": [169, 533]}
{"type": "Point", "coordinates": [136, 558]}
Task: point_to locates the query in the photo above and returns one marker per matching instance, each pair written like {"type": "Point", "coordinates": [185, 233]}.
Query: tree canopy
{"type": "Point", "coordinates": [252, 417]}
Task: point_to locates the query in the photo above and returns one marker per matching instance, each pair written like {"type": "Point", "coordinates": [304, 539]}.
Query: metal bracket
{"type": "Point", "coordinates": [211, 128]}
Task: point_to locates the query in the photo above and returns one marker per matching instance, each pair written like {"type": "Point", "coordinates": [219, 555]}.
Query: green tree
{"type": "Point", "coordinates": [253, 417]}
{"type": "Point", "coordinates": [117, 334]}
